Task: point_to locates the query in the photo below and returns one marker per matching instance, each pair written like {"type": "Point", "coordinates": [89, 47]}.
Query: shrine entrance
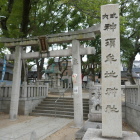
{"type": "Point", "coordinates": [44, 41]}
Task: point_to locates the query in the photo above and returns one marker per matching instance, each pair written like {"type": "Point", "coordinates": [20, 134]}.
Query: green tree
{"type": "Point", "coordinates": [16, 18]}
{"type": "Point", "coordinates": [33, 18]}
{"type": "Point", "coordinates": [52, 16]}
{"type": "Point", "coordinates": [95, 59]}
{"type": "Point", "coordinates": [14, 21]}
{"type": "Point", "coordinates": [129, 25]}
{"type": "Point", "coordinates": [93, 63]}
{"type": "Point", "coordinates": [91, 10]}
{"type": "Point", "coordinates": [130, 33]}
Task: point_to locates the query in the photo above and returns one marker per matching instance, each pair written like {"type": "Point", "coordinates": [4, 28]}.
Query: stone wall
{"type": "Point", "coordinates": [132, 111]}
{"type": "Point", "coordinates": [123, 111]}
{"type": "Point", "coordinates": [30, 97]}
{"type": "Point", "coordinates": [133, 116]}
{"type": "Point", "coordinates": [26, 105]}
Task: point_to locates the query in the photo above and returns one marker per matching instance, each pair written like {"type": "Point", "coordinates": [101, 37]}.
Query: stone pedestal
{"type": "Point", "coordinates": [95, 117]}
{"type": "Point", "coordinates": [57, 88]}
{"type": "Point", "coordinates": [96, 134]}
{"type": "Point", "coordinates": [95, 109]}
{"type": "Point", "coordinates": [88, 124]}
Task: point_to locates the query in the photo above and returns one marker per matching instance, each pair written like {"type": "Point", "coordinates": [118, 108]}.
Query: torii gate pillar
{"type": "Point", "coordinates": [16, 84]}
{"type": "Point", "coordinates": [77, 84]}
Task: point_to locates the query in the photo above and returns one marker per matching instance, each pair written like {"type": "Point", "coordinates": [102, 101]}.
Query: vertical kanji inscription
{"type": "Point", "coordinates": [111, 81]}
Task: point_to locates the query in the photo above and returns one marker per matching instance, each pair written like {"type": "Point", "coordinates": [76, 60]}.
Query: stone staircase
{"type": "Point", "coordinates": [63, 108]}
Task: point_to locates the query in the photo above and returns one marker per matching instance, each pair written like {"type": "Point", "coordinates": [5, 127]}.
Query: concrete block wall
{"type": "Point", "coordinates": [133, 116]}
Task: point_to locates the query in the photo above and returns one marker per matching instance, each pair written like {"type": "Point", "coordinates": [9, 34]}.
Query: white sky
{"type": "Point", "coordinates": [137, 57]}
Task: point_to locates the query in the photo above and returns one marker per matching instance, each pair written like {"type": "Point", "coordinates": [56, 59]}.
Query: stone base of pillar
{"type": "Point", "coordinates": [88, 124]}
{"type": "Point", "coordinates": [95, 117]}
{"type": "Point", "coordinates": [94, 134]}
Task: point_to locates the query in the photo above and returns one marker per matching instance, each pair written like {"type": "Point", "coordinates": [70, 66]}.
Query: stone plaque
{"type": "Point", "coordinates": [111, 80]}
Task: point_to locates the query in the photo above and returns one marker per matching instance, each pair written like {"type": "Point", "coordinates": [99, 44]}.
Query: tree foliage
{"type": "Point", "coordinates": [130, 33]}
{"type": "Point", "coordinates": [89, 8]}
{"type": "Point", "coordinates": [26, 18]}
{"type": "Point", "coordinates": [129, 25]}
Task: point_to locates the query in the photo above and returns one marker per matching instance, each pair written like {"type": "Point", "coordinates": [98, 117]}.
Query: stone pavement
{"type": "Point", "coordinates": [37, 128]}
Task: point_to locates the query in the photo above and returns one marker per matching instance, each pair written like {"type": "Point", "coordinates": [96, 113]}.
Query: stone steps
{"type": "Point", "coordinates": [53, 112]}
{"type": "Point", "coordinates": [64, 108]}
{"type": "Point", "coordinates": [52, 115]}
{"type": "Point", "coordinates": [63, 101]}
{"type": "Point", "coordinates": [59, 103]}
{"type": "Point", "coordinates": [85, 109]}
{"type": "Point", "coordinates": [59, 106]}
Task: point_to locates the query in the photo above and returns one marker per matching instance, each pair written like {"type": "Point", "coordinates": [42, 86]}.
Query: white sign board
{"type": "Point", "coordinates": [75, 89]}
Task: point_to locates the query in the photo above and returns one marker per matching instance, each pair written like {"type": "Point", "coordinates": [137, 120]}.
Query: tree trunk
{"type": "Point", "coordinates": [39, 68]}
{"type": "Point", "coordinates": [23, 71]}
{"type": "Point", "coordinates": [25, 17]}
{"type": "Point", "coordinates": [93, 72]}
{"type": "Point", "coordinates": [130, 66]}
{"type": "Point", "coordinates": [3, 21]}
{"type": "Point", "coordinates": [132, 58]}
{"type": "Point", "coordinates": [64, 68]}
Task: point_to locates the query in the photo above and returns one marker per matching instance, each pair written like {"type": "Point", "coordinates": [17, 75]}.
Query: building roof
{"type": "Point", "coordinates": [124, 74]}
{"type": "Point", "coordinates": [8, 70]}
{"type": "Point", "coordinates": [136, 61]}
{"type": "Point", "coordinates": [137, 70]}
{"type": "Point", "coordinates": [56, 59]}
{"type": "Point", "coordinates": [32, 74]}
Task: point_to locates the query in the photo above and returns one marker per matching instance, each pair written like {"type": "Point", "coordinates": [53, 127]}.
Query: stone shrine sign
{"type": "Point", "coordinates": [111, 81]}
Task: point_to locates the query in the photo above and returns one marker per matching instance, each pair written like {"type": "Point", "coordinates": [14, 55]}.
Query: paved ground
{"type": "Point", "coordinates": [37, 128]}
{"type": "Point", "coordinates": [41, 128]}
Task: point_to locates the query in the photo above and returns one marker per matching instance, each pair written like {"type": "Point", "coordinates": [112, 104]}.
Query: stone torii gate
{"type": "Point", "coordinates": [75, 37]}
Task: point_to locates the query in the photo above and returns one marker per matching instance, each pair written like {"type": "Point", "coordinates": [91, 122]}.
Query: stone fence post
{"type": "Point", "coordinates": [139, 92]}
{"type": "Point", "coordinates": [37, 84]}
{"type": "Point", "coordinates": [24, 90]}
{"type": "Point", "coordinates": [46, 92]}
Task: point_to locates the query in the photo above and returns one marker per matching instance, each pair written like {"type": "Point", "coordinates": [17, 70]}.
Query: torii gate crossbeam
{"type": "Point", "coordinates": [85, 34]}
